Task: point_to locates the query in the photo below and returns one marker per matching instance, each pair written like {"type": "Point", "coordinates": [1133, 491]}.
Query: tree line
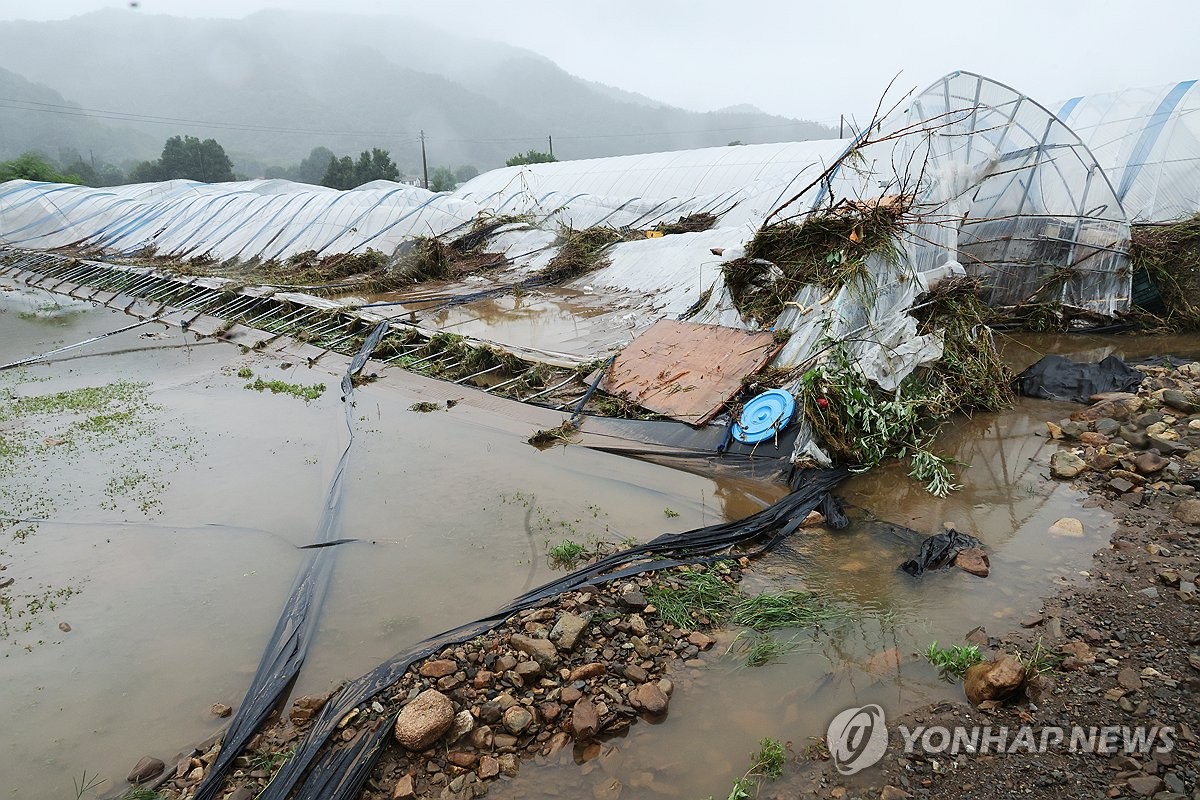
{"type": "Point", "coordinates": [190, 158]}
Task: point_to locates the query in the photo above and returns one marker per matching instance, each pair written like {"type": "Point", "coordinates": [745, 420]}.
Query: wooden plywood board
{"type": "Point", "coordinates": [687, 371]}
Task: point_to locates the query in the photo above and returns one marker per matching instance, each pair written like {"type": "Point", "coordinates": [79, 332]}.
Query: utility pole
{"type": "Point", "coordinates": [550, 139]}
{"type": "Point", "coordinates": [841, 126]}
{"type": "Point", "coordinates": [424, 161]}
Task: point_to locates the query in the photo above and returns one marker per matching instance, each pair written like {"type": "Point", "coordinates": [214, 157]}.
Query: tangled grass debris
{"type": "Point", "coordinates": [1168, 257]}
{"type": "Point", "coordinates": [828, 248]}
{"type": "Point", "coordinates": [579, 252]}
{"type": "Point", "coordinates": [305, 393]}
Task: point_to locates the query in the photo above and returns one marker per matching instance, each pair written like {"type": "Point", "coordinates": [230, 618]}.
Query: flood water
{"type": "Point", "coordinates": [168, 545]}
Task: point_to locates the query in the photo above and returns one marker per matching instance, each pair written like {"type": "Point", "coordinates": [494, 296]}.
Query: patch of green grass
{"type": "Point", "coordinates": [670, 512]}
{"type": "Point", "coordinates": [424, 407]}
{"type": "Point", "coordinates": [1040, 661]}
{"type": "Point", "coordinates": [142, 793]}
{"type": "Point", "coordinates": [88, 400]}
{"type": "Point", "coordinates": [692, 597]}
{"type": "Point", "coordinates": [245, 373]}
{"type": "Point", "coordinates": [768, 762]}
{"type": "Point", "coordinates": [305, 393]}
{"type": "Point", "coordinates": [566, 553]}
{"type": "Point", "coordinates": [954, 660]}
{"type": "Point", "coordinates": [762, 648]}
{"type": "Point", "coordinates": [768, 612]}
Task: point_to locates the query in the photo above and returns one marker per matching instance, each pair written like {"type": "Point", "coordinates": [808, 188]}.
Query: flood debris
{"type": "Point", "coordinates": [1054, 377]}
{"type": "Point", "coordinates": [828, 248]}
{"type": "Point", "coordinates": [1166, 260]}
{"type": "Point", "coordinates": [687, 371]}
{"type": "Point", "coordinates": [579, 252]}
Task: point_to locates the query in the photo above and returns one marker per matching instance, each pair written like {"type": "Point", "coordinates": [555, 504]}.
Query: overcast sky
{"type": "Point", "coordinates": [810, 60]}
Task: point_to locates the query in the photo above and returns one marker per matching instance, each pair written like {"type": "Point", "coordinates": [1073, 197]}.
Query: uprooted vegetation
{"type": "Point", "coordinates": [692, 223]}
{"type": "Point", "coordinates": [1166, 258]}
{"type": "Point", "coordinates": [579, 252]}
{"type": "Point", "coordinates": [970, 374]}
{"type": "Point", "coordinates": [829, 248]}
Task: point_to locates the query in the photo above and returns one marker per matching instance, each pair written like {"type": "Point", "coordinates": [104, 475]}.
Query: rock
{"type": "Point", "coordinates": [463, 724]}
{"type": "Point", "coordinates": [1065, 464]}
{"type": "Point", "coordinates": [483, 679]}
{"type": "Point", "coordinates": [1146, 785]}
{"type": "Point", "coordinates": [1120, 485]}
{"type": "Point", "coordinates": [1150, 463]}
{"type": "Point", "coordinates": [438, 669]}
{"type": "Point", "coordinates": [508, 764]}
{"type": "Point", "coordinates": [220, 710]}
{"type": "Point", "coordinates": [1129, 678]}
{"type": "Point", "coordinates": [1104, 427]}
{"type": "Point", "coordinates": [635, 673]}
{"type": "Point", "coordinates": [702, 641]}
{"type": "Point", "coordinates": [423, 721]}
{"type": "Point", "coordinates": [1150, 592]}
{"type": "Point", "coordinates": [549, 711]}
{"type": "Point", "coordinates": [1067, 526]}
{"type": "Point", "coordinates": [147, 769]}
{"type": "Point", "coordinates": [517, 719]}
{"type": "Point", "coordinates": [305, 708]}
{"type": "Point", "coordinates": [1119, 406]}
{"type": "Point", "coordinates": [489, 768]}
{"type": "Point", "coordinates": [893, 793]}
{"type": "Point", "coordinates": [582, 673]}
{"type": "Point", "coordinates": [1178, 401]}
{"type": "Point", "coordinates": [634, 601]}
{"type": "Point", "coordinates": [814, 519]}
{"type": "Point", "coordinates": [243, 793]}
{"type": "Point", "coordinates": [637, 625]}
{"type": "Point", "coordinates": [570, 694]}
{"type": "Point", "coordinates": [649, 697]}
{"type": "Point", "coordinates": [1188, 511]}
{"type": "Point", "coordinates": [1135, 438]}
{"type": "Point", "coordinates": [461, 758]}
{"type": "Point", "coordinates": [978, 636]}
{"type": "Point", "coordinates": [1055, 431]}
{"type": "Point", "coordinates": [1093, 439]}
{"type": "Point", "coordinates": [540, 650]}
{"type": "Point", "coordinates": [481, 737]}
{"type": "Point", "coordinates": [584, 720]}
{"type": "Point", "coordinates": [404, 790]}
{"type": "Point", "coordinates": [528, 669]}
{"type": "Point", "coordinates": [973, 560]}
{"type": "Point", "coordinates": [568, 629]}
{"type": "Point", "coordinates": [1192, 459]}
{"type": "Point", "coordinates": [504, 663]}
{"type": "Point", "coordinates": [994, 680]}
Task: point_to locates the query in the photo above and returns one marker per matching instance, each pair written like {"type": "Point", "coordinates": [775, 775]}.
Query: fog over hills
{"type": "Point", "coordinates": [274, 85]}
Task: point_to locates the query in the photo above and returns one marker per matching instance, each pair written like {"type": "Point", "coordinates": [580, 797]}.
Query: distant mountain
{"type": "Point", "coordinates": [280, 83]}
{"type": "Point", "coordinates": [36, 118]}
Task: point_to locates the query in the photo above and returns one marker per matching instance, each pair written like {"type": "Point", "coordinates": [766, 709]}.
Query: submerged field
{"type": "Point", "coordinates": [156, 488]}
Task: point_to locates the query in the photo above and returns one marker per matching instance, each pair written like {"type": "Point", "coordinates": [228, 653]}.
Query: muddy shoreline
{"type": "Point", "coordinates": [1119, 647]}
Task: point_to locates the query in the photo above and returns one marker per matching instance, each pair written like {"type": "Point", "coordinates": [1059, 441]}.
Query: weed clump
{"type": "Point", "coordinates": [692, 223]}
{"type": "Point", "coordinates": [425, 407]}
{"type": "Point", "coordinates": [579, 252]}
{"type": "Point", "coordinates": [566, 553]}
{"type": "Point", "coordinates": [953, 661]}
{"type": "Point", "coordinates": [970, 374]}
{"type": "Point", "coordinates": [562, 434]}
{"type": "Point", "coordinates": [829, 248]}
{"type": "Point", "coordinates": [305, 393]}
{"type": "Point", "coordinates": [692, 597]}
{"type": "Point", "coordinates": [1166, 258]}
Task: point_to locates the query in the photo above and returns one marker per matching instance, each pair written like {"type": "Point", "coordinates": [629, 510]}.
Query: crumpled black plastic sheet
{"type": "Point", "coordinates": [288, 646]}
{"type": "Point", "coordinates": [938, 551]}
{"type": "Point", "coordinates": [337, 771]}
{"type": "Point", "coordinates": [1058, 378]}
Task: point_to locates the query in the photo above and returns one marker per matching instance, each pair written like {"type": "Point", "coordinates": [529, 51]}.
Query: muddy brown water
{"type": "Point", "coordinates": [182, 575]}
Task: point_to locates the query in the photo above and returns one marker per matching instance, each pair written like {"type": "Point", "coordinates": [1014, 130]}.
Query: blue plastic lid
{"type": "Point", "coordinates": [764, 416]}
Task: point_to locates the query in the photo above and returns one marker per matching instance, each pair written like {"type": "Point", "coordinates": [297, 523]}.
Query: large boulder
{"type": "Point", "coordinates": [423, 721]}
{"type": "Point", "coordinates": [1188, 512]}
{"type": "Point", "coordinates": [994, 680]}
{"type": "Point", "coordinates": [1065, 464]}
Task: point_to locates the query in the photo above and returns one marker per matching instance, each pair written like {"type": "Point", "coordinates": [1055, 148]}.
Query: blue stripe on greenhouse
{"type": "Point", "coordinates": [1068, 107]}
{"type": "Point", "coordinates": [1150, 134]}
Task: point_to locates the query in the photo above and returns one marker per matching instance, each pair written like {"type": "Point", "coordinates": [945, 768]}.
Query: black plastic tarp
{"type": "Point", "coordinates": [1058, 378]}
{"type": "Point", "coordinates": [337, 771]}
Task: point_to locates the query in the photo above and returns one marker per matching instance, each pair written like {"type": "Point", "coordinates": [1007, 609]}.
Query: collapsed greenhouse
{"type": "Point", "coordinates": [860, 276]}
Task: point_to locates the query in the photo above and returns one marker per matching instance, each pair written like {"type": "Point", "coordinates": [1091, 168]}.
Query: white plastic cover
{"type": "Point", "coordinates": [1148, 141]}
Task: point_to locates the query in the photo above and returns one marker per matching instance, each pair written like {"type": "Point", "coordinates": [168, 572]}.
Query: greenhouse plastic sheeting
{"type": "Point", "coordinates": [1148, 141]}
